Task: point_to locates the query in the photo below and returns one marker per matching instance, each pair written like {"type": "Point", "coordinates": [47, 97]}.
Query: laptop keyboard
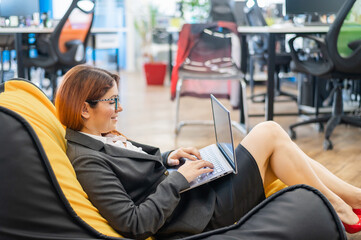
{"type": "Point", "coordinates": [210, 155]}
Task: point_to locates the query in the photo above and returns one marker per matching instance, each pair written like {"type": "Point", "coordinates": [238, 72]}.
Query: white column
{"type": "Point", "coordinates": [130, 36]}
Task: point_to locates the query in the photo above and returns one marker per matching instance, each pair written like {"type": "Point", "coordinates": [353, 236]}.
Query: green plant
{"type": "Point", "coordinates": [195, 10]}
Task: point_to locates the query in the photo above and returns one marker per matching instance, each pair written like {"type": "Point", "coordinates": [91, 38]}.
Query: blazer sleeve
{"type": "Point", "coordinates": [108, 195]}
{"type": "Point", "coordinates": [165, 156]}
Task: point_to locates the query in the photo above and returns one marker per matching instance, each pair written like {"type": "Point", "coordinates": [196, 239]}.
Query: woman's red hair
{"type": "Point", "coordinates": [81, 83]}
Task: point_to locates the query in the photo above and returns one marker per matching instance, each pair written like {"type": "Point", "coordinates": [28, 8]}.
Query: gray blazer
{"type": "Point", "coordinates": [134, 191]}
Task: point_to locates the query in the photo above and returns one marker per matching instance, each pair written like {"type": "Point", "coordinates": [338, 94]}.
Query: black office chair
{"type": "Point", "coordinates": [66, 45]}
{"type": "Point", "coordinates": [258, 46]}
{"type": "Point", "coordinates": [221, 10]}
{"type": "Point", "coordinates": [339, 58]}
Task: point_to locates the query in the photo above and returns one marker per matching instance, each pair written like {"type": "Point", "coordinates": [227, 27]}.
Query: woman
{"type": "Point", "coordinates": [129, 184]}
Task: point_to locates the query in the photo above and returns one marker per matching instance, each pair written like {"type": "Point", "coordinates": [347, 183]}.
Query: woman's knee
{"type": "Point", "coordinates": [270, 130]}
{"type": "Point", "coordinates": [262, 139]}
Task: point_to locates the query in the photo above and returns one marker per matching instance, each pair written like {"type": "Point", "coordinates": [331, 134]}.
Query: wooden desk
{"type": "Point", "coordinates": [274, 32]}
{"type": "Point", "coordinates": [18, 32]}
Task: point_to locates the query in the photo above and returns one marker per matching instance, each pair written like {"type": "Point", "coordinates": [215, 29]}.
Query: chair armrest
{"type": "Point", "coordinates": [45, 46]}
{"type": "Point", "coordinates": [319, 41]}
{"type": "Point", "coordinates": [75, 53]}
{"type": "Point", "coordinates": [356, 47]}
{"type": "Point", "coordinates": [354, 44]}
{"type": "Point", "coordinates": [349, 63]}
{"type": "Point", "coordinates": [73, 44]}
{"type": "Point", "coordinates": [321, 66]}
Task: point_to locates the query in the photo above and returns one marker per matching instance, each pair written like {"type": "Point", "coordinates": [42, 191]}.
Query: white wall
{"type": "Point", "coordinates": [60, 7]}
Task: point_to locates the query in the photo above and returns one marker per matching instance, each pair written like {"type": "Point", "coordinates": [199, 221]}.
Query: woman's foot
{"type": "Point", "coordinates": [344, 212]}
{"type": "Point", "coordinates": [353, 228]}
{"type": "Point", "coordinates": [357, 211]}
{"type": "Point", "coordinates": [354, 199]}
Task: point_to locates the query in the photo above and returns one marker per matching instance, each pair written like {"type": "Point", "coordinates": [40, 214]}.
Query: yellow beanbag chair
{"type": "Point", "coordinates": [31, 103]}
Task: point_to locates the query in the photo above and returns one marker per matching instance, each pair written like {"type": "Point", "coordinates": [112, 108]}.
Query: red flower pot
{"type": "Point", "coordinates": [155, 73]}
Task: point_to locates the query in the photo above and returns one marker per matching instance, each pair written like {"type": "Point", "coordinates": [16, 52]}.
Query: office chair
{"type": "Point", "coordinates": [205, 53]}
{"type": "Point", "coordinates": [221, 10]}
{"type": "Point", "coordinates": [339, 58]}
{"type": "Point", "coordinates": [66, 45]}
{"type": "Point", "coordinates": [258, 53]}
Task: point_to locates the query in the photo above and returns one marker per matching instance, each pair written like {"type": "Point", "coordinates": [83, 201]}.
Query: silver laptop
{"type": "Point", "coordinates": [222, 153]}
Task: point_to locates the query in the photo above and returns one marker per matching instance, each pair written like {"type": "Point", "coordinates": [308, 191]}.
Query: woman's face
{"type": "Point", "coordinates": [103, 117]}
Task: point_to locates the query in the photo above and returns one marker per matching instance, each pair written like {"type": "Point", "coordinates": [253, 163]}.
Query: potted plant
{"type": "Point", "coordinates": [145, 24]}
{"type": "Point", "coordinates": [195, 11]}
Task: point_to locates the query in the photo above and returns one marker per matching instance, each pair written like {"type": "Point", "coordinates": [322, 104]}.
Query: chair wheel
{"type": "Point", "coordinates": [327, 144]}
{"type": "Point", "coordinates": [292, 134]}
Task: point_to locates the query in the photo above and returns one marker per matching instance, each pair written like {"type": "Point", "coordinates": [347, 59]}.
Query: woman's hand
{"type": "Point", "coordinates": [190, 153]}
{"type": "Point", "coordinates": [192, 169]}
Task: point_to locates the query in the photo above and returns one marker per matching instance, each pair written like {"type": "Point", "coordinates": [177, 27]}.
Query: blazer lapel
{"type": "Point", "coordinates": [123, 152]}
{"type": "Point", "coordinates": [82, 139]}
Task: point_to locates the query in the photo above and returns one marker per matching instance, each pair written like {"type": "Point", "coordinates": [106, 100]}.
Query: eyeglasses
{"type": "Point", "coordinates": [115, 99]}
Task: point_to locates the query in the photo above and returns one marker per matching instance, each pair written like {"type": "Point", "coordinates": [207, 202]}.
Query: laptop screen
{"type": "Point", "coordinates": [223, 130]}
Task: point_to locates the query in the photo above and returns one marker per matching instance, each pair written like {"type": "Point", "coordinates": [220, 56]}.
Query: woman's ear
{"type": "Point", "coordinates": [85, 110]}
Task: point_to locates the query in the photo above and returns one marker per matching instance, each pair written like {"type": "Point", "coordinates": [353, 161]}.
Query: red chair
{"type": "Point", "coordinates": [206, 65]}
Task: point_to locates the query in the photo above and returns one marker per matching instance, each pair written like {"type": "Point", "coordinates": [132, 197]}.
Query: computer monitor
{"type": "Point", "coordinates": [18, 7]}
{"type": "Point", "coordinates": [312, 7]}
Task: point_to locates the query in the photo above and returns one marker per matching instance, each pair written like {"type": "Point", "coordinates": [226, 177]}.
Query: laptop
{"type": "Point", "coordinates": [222, 153]}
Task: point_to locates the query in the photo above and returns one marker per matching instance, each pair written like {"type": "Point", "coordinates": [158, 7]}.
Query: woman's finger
{"type": "Point", "coordinates": [190, 157]}
{"type": "Point", "coordinates": [193, 151]}
{"type": "Point", "coordinates": [173, 162]}
{"type": "Point", "coordinates": [204, 164]}
{"type": "Point", "coordinates": [205, 170]}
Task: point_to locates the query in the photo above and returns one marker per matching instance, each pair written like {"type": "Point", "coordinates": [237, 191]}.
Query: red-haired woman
{"type": "Point", "coordinates": [130, 185]}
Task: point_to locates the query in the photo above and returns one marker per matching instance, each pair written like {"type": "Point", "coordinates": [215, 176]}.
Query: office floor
{"type": "Point", "coordinates": [148, 117]}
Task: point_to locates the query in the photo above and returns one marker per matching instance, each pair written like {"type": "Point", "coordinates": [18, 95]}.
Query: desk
{"type": "Point", "coordinates": [273, 31]}
{"type": "Point", "coordinates": [101, 38]}
{"type": "Point", "coordinates": [18, 40]}
{"type": "Point", "coordinates": [18, 32]}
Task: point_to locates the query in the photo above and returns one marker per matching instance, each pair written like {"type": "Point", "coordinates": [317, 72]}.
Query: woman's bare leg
{"type": "Point", "coordinates": [278, 157]}
{"type": "Point", "coordinates": [349, 193]}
